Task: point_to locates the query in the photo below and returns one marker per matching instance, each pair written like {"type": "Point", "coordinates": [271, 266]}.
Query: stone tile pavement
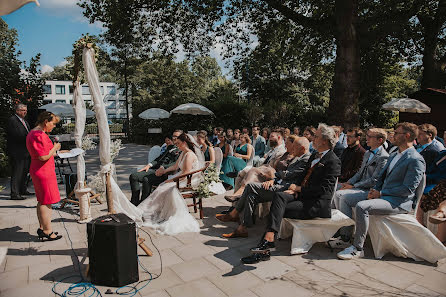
{"type": "Point", "coordinates": [196, 265]}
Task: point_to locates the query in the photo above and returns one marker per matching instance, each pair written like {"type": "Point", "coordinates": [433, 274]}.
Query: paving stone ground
{"type": "Point", "coordinates": [198, 264]}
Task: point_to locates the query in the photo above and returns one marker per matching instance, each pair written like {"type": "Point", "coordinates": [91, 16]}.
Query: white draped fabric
{"type": "Point", "coordinates": [121, 203]}
{"type": "Point", "coordinates": [80, 116]}
{"type": "Point", "coordinates": [403, 236]}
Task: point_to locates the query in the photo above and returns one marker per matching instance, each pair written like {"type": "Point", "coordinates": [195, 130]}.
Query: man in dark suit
{"type": "Point", "coordinates": [352, 155]}
{"type": "Point", "coordinates": [255, 193]}
{"type": "Point", "coordinates": [428, 146]}
{"type": "Point", "coordinates": [148, 175]}
{"type": "Point", "coordinates": [16, 131]}
{"type": "Point", "coordinates": [310, 199]}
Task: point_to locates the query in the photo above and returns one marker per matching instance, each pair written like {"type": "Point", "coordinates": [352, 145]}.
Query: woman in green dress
{"type": "Point", "coordinates": [237, 162]}
{"type": "Point", "coordinates": [206, 147]}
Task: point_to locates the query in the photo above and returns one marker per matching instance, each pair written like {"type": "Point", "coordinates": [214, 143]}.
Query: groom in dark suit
{"type": "Point", "coordinates": [17, 129]}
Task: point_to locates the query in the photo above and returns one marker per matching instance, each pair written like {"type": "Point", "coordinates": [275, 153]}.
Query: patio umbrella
{"type": "Point", "coordinates": [191, 108]}
{"type": "Point", "coordinates": [406, 105]}
{"type": "Point", "coordinates": [8, 6]}
{"type": "Point", "coordinates": [154, 114]}
{"type": "Point", "coordinates": [63, 110]}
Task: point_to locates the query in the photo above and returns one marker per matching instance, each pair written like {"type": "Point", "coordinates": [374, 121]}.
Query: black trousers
{"type": "Point", "coordinates": [147, 179]}
{"type": "Point", "coordinates": [254, 193]}
{"type": "Point", "coordinates": [285, 205]}
{"type": "Point", "coordinates": [19, 171]}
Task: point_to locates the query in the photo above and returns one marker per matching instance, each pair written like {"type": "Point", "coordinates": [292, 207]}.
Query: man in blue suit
{"type": "Point", "coordinates": [428, 146]}
{"type": "Point", "coordinates": [394, 190]}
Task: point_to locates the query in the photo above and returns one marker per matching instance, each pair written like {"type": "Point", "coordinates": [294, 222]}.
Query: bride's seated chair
{"type": "Point", "coordinates": [307, 232]}
{"type": "Point", "coordinates": [188, 192]}
{"type": "Point", "coordinates": [403, 236]}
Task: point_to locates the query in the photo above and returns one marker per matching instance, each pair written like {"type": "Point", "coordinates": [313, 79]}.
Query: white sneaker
{"type": "Point", "coordinates": [350, 253]}
{"type": "Point", "coordinates": [338, 243]}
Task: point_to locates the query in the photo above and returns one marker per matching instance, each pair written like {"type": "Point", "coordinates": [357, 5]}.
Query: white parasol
{"type": "Point", "coordinates": [406, 105]}
{"type": "Point", "coordinates": [154, 114]}
{"type": "Point", "coordinates": [64, 110]}
{"type": "Point", "coordinates": [192, 108]}
{"type": "Point", "coordinates": [8, 6]}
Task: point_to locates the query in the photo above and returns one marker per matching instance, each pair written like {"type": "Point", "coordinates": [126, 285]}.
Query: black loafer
{"type": "Point", "coordinates": [228, 210]}
{"type": "Point", "coordinates": [27, 193]}
{"type": "Point", "coordinates": [18, 197]}
{"type": "Point", "coordinates": [256, 258]}
{"type": "Point", "coordinates": [264, 246]}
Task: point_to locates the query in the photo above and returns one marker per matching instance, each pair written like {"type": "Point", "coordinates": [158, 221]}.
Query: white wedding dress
{"type": "Point", "coordinates": [165, 210]}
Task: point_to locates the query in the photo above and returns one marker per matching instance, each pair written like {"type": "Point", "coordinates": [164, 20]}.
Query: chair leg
{"type": "Point", "coordinates": [200, 207]}
{"type": "Point", "coordinates": [195, 204]}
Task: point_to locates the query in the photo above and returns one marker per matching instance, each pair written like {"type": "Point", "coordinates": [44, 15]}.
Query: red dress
{"type": "Point", "coordinates": [43, 173]}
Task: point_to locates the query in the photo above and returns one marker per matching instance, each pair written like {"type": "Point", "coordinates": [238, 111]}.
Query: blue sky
{"type": "Point", "coordinates": [50, 29]}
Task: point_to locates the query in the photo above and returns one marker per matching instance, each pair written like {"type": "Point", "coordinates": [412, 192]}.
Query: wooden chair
{"type": "Point", "coordinates": [189, 192]}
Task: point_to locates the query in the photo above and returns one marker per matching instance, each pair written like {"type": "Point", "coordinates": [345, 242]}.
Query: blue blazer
{"type": "Point", "coordinates": [399, 185]}
{"type": "Point", "coordinates": [260, 146]}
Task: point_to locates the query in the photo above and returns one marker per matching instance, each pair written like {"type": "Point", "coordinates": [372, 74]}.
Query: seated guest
{"type": "Point", "coordinates": [214, 137]}
{"type": "Point", "coordinates": [234, 164]}
{"type": "Point", "coordinates": [296, 131]}
{"type": "Point", "coordinates": [235, 139]}
{"type": "Point", "coordinates": [223, 144]}
{"type": "Point", "coordinates": [435, 196]}
{"type": "Point", "coordinates": [148, 177]}
{"type": "Point", "coordinates": [309, 134]}
{"type": "Point", "coordinates": [436, 171]}
{"type": "Point", "coordinates": [352, 156]}
{"type": "Point", "coordinates": [287, 132]}
{"type": "Point", "coordinates": [308, 199]}
{"type": "Point", "coordinates": [393, 192]}
{"type": "Point", "coordinates": [263, 192]}
{"type": "Point", "coordinates": [342, 137]}
{"type": "Point", "coordinates": [373, 162]}
{"type": "Point", "coordinates": [206, 147]}
{"type": "Point", "coordinates": [245, 130]}
{"type": "Point", "coordinates": [276, 160]}
{"type": "Point", "coordinates": [428, 146]}
{"type": "Point", "coordinates": [265, 134]}
{"type": "Point", "coordinates": [229, 135]}
{"type": "Point", "coordinates": [167, 141]}
{"type": "Point", "coordinates": [339, 147]}
{"type": "Point", "coordinates": [259, 144]}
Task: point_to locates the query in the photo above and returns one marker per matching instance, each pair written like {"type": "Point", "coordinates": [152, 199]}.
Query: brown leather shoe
{"type": "Point", "coordinates": [232, 198]}
{"type": "Point", "coordinates": [235, 234]}
{"type": "Point", "coordinates": [225, 218]}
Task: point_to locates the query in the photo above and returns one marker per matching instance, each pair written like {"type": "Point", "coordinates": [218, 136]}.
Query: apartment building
{"type": "Point", "coordinates": [57, 91]}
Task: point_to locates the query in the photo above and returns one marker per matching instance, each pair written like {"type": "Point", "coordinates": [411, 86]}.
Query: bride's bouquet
{"type": "Point", "coordinates": [211, 175]}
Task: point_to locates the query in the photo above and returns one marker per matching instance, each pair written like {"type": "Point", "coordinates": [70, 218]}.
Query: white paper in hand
{"type": "Point", "coordinates": [73, 153]}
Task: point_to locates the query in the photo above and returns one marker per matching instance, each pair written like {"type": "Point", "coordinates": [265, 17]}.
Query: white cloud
{"type": "Point", "coordinates": [63, 63]}
{"type": "Point", "coordinates": [65, 8]}
{"type": "Point", "coordinates": [47, 68]}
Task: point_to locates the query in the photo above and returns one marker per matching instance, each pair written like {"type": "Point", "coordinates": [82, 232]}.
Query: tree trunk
{"type": "Point", "coordinates": [343, 109]}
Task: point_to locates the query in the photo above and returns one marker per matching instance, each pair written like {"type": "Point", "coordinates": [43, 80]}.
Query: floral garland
{"type": "Point", "coordinates": [86, 41]}
{"type": "Point", "coordinates": [210, 175]}
{"type": "Point", "coordinates": [88, 143]}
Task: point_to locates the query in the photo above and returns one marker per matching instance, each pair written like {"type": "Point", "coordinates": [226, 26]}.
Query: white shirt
{"type": "Point", "coordinates": [397, 157]}
{"type": "Point", "coordinates": [318, 159]}
{"type": "Point", "coordinates": [23, 122]}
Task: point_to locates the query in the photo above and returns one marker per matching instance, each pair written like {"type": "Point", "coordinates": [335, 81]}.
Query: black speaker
{"type": "Point", "coordinates": [112, 250]}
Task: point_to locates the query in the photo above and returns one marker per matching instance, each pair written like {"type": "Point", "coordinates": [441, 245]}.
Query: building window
{"type": "Point", "coordinates": [102, 90]}
{"type": "Point", "coordinates": [47, 89]}
{"type": "Point", "coordinates": [60, 101]}
{"type": "Point", "coordinates": [111, 104]}
{"type": "Point", "coordinates": [85, 90]}
{"type": "Point", "coordinates": [60, 90]}
{"type": "Point", "coordinates": [111, 90]}
{"type": "Point", "coordinates": [47, 101]}
{"type": "Point", "coordinates": [70, 89]}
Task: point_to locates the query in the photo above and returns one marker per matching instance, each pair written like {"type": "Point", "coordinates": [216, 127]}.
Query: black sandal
{"type": "Point", "coordinates": [47, 237]}
{"type": "Point", "coordinates": [40, 231]}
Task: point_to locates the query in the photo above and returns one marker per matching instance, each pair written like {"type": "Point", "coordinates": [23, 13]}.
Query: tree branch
{"type": "Point", "coordinates": [394, 22]}
{"type": "Point", "coordinates": [320, 25]}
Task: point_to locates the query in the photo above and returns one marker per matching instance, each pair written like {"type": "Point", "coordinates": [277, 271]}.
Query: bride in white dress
{"type": "Point", "coordinates": [165, 209]}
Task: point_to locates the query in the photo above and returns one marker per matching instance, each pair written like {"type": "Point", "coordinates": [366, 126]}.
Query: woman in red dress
{"type": "Point", "coordinates": [43, 171]}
